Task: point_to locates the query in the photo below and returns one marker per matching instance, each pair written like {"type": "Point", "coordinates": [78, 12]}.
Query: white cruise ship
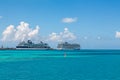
{"type": "Point", "coordinates": [68, 46]}
{"type": "Point", "coordinates": [30, 45]}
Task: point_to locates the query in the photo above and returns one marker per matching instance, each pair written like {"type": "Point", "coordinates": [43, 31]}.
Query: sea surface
{"type": "Point", "coordinates": [59, 65]}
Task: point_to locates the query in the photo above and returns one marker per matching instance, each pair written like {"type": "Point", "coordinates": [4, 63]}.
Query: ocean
{"type": "Point", "coordinates": [59, 65]}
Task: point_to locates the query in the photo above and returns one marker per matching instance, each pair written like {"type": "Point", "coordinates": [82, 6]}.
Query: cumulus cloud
{"type": "Point", "coordinates": [69, 20]}
{"type": "Point", "coordinates": [8, 34]}
{"type": "Point", "coordinates": [117, 35]}
{"type": "Point", "coordinates": [23, 32]}
{"type": "Point", "coordinates": [54, 37]}
{"type": "Point", "coordinates": [66, 35]}
{"type": "Point", "coordinates": [20, 33]}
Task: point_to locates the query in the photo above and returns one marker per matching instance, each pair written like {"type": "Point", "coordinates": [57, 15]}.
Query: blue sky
{"type": "Point", "coordinates": [94, 19]}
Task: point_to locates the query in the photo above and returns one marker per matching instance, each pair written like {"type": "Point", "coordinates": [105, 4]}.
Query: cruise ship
{"type": "Point", "coordinates": [68, 46]}
{"type": "Point", "coordinates": [30, 45]}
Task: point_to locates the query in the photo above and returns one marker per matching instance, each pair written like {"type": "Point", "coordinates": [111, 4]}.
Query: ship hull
{"type": "Point", "coordinates": [33, 48]}
{"type": "Point", "coordinates": [66, 49]}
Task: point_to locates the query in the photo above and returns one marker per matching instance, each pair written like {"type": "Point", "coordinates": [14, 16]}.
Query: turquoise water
{"type": "Point", "coordinates": [54, 65]}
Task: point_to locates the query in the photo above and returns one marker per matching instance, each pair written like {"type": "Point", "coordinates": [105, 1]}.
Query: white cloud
{"type": "Point", "coordinates": [117, 35]}
{"type": "Point", "coordinates": [66, 35]}
{"type": "Point", "coordinates": [69, 20]}
{"type": "Point", "coordinates": [23, 32]}
{"type": "Point", "coordinates": [9, 33]}
{"type": "Point", "coordinates": [54, 37]}
{"type": "Point", "coordinates": [34, 32]}
{"type": "Point", "coordinates": [20, 33]}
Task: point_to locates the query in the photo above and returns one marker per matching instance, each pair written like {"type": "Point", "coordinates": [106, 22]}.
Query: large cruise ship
{"type": "Point", "coordinates": [30, 45]}
{"type": "Point", "coordinates": [68, 46]}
